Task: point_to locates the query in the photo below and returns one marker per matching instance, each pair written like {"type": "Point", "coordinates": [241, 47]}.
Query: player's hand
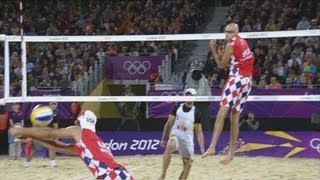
{"type": "Point", "coordinates": [13, 131]}
{"type": "Point", "coordinates": [16, 132]}
{"type": "Point", "coordinates": [220, 50]}
{"type": "Point", "coordinates": [25, 139]}
{"type": "Point", "coordinates": [213, 45]}
{"type": "Point", "coordinates": [163, 143]}
{"type": "Point", "coordinates": [210, 151]}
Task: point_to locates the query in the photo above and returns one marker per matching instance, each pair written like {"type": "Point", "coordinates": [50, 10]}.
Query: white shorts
{"type": "Point", "coordinates": [185, 148]}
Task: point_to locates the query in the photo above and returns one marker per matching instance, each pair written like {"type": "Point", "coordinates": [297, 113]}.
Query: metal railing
{"type": "Point", "coordinates": [87, 82]}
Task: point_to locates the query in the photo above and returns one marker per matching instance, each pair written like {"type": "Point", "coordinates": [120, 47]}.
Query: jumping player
{"type": "Point", "coordinates": [237, 87]}
{"type": "Point", "coordinates": [88, 146]}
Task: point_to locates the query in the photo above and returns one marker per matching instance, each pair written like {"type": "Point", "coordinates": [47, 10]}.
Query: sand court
{"type": "Point", "coordinates": [149, 168]}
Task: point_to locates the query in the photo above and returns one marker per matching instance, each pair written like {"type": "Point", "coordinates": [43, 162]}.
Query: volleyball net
{"type": "Point", "coordinates": [134, 66]}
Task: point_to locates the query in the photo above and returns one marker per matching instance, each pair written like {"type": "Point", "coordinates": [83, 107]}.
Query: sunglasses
{"type": "Point", "coordinates": [229, 32]}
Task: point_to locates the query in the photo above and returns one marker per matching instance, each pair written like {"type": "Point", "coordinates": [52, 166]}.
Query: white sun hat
{"type": "Point", "coordinates": [87, 120]}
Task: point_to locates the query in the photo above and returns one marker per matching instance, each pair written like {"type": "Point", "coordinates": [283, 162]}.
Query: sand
{"type": "Point", "coordinates": [149, 168]}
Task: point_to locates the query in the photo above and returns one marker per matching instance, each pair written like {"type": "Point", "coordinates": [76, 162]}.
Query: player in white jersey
{"type": "Point", "coordinates": [183, 120]}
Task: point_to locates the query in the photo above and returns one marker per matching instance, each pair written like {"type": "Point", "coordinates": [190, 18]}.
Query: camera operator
{"type": "Point", "coordinates": [249, 123]}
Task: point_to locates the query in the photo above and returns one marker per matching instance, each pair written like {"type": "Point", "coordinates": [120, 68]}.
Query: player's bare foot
{"type": "Point", "coordinates": [210, 151]}
{"type": "Point", "coordinates": [226, 160]}
{"type": "Point", "coordinates": [162, 177]}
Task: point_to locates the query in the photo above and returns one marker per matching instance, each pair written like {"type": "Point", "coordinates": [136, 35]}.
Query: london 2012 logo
{"type": "Point", "coordinates": [137, 67]}
{"type": "Point", "coordinates": [315, 144]}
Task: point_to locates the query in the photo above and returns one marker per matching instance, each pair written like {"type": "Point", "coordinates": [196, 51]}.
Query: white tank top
{"type": "Point", "coordinates": [183, 125]}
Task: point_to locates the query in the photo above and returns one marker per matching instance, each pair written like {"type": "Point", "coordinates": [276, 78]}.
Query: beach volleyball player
{"type": "Point", "coordinates": [237, 88]}
{"type": "Point", "coordinates": [178, 132]}
{"type": "Point", "coordinates": [87, 145]}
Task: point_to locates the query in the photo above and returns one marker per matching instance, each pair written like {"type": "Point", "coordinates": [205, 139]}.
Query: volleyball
{"type": "Point", "coordinates": [41, 116]}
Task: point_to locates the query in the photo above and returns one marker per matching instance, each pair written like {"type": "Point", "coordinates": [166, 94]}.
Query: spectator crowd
{"type": "Point", "coordinates": [63, 64]}
{"type": "Point", "coordinates": [280, 62]}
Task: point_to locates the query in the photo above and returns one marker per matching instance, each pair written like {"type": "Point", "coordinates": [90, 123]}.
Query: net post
{"type": "Point", "coordinates": [2, 102]}
{"type": "Point", "coordinates": [24, 69]}
{"type": "Point", "coordinates": [6, 70]}
{"type": "Point", "coordinates": [2, 37]}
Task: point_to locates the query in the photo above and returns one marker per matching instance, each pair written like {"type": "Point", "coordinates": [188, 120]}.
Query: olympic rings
{"type": "Point", "coordinates": [136, 67]}
{"type": "Point", "coordinates": [315, 146]}
{"type": "Point", "coordinates": [180, 93]}
{"type": "Point", "coordinates": [173, 93]}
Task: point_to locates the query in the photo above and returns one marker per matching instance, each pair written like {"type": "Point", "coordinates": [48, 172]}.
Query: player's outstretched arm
{"type": "Point", "coordinates": [56, 146]}
{"type": "Point", "coordinates": [47, 133]}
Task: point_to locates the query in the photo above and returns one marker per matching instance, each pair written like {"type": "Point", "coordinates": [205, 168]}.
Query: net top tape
{"type": "Point", "coordinates": [164, 37]}
{"type": "Point", "coordinates": [260, 98]}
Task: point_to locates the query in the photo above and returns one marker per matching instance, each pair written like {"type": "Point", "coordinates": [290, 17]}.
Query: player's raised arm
{"type": "Point", "coordinates": [221, 58]}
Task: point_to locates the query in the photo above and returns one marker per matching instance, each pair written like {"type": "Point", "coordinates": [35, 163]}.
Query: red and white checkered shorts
{"type": "Point", "coordinates": [235, 92]}
{"type": "Point", "coordinates": [117, 174]}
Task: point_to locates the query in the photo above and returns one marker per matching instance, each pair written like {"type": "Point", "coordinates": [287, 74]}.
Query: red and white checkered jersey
{"type": "Point", "coordinates": [95, 153]}
{"type": "Point", "coordinates": [242, 58]}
